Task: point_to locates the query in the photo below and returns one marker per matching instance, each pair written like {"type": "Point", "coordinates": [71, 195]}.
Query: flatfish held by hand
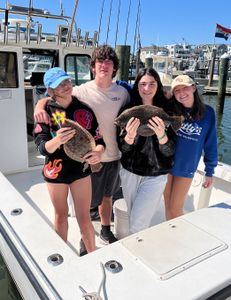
{"type": "Point", "coordinates": [80, 144]}
{"type": "Point", "coordinates": [144, 113]}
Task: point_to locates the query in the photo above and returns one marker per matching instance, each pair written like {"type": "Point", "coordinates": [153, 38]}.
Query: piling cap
{"type": "Point", "coordinates": [54, 76]}
{"type": "Point", "coordinates": [181, 80]}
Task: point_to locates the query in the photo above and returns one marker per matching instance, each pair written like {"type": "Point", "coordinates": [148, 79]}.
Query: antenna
{"type": "Point", "coordinates": [61, 7]}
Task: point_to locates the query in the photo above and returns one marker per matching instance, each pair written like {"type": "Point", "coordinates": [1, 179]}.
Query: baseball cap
{"type": "Point", "coordinates": [54, 76]}
{"type": "Point", "coordinates": [181, 80]}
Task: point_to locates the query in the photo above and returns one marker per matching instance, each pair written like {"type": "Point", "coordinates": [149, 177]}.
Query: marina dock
{"type": "Point", "coordinates": [214, 90]}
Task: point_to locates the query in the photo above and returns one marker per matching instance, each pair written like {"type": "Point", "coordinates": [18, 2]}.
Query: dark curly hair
{"type": "Point", "coordinates": [105, 52]}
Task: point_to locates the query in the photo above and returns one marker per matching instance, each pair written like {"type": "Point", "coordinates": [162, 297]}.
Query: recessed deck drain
{"type": "Point", "coordinates": [16, 212]}
{"type": "Point", "coordinates": [113, 266]}
{"type": "Point", "coordinates": [55, 259]}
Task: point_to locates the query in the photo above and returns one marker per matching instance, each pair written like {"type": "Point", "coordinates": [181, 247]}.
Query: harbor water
{"type": "Point", "coordinates": [223, 127]}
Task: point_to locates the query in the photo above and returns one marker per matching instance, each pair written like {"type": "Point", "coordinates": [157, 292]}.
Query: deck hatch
{"type": "Point", "coordinates": [172, 247]}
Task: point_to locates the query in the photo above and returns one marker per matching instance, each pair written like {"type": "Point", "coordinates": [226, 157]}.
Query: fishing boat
{"type": "Point", "coordinates": [186, 258]}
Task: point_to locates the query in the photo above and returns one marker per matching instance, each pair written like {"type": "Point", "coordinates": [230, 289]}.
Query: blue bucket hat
{"type": "Point", "coordinates": [54, 76]}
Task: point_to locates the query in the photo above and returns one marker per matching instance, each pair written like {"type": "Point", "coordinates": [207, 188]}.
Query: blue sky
{"type": "Point", "coordinates": [161, 22]}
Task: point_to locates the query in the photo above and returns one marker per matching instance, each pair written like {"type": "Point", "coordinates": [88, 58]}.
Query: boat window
{"type": "Point", "coordinates": [8, 70]}
{"type": "Point", "coordinates": [78, 67]}
{"type": "Point", "coordinates": [36, 63]}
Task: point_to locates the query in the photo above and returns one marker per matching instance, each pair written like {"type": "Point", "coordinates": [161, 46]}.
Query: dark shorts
{"type": "Point", "coordinates": [106, 182]}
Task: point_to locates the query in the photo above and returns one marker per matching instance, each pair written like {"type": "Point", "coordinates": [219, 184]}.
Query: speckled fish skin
{"type": "Point", "coordinates": [80, 144]}
{"type": "Point", "coordinates": [144, 113]}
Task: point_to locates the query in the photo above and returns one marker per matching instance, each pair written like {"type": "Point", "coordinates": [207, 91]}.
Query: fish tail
{"type": "Point", "coordinates": [176, 122]}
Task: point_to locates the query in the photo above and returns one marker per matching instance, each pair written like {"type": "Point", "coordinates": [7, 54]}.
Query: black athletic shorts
{"type": "Point", "coordinates": [106, 182]}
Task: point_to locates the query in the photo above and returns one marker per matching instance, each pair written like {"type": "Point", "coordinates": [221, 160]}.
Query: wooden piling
{"type": "Point", "coordinates": [211, 71]}
{"type": "Point", "coordinates": [223, 74]}
{"type": "Point", "coordinates": [123, 53]}
{"type": "Point", "coordinates": [148, 62]}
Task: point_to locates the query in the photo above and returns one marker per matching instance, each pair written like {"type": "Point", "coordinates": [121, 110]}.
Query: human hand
{"type": "Point", "coordinates": [208, 182]}
{"type": "Point", "coordinates": [64, 134]}
{"type": "Point", "coordinates": [40, 115]}
{"type": "Point", "coordinates": [93, 157]}
{"type": "Point", "coordinates": [157, 125]}
{"type": "Point", "coordinates": [131, 128]}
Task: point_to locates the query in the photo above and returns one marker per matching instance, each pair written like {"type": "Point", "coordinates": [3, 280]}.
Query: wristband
{"type": "Point", "coordinates": [161, 137]}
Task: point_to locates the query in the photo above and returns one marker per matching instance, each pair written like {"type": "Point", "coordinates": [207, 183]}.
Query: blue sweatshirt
{"type": "Point", "coordinates": [196, 138]}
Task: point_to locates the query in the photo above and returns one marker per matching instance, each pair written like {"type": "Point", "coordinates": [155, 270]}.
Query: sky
{"type": "Point", "coordinates": [160, 22]}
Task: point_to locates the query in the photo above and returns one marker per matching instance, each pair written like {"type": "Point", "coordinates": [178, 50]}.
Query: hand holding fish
{"type": "Point", "coordinates": [94, 157]}
{"type": "Point", "coordinates": [131, 129]}
{"type": "Point", "coordinates": [64, 134]}
{"type": "Point", "coordinates": [158, 126]}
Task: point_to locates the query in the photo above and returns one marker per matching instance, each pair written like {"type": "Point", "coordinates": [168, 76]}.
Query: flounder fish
{"type": "Point", "coordinates": [80, 144]}
{"type": "Point", "coordinates": [144, 113]}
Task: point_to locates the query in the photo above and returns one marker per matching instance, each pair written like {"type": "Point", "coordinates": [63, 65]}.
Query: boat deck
{"type": "Point", "coordinates": [32, 187]}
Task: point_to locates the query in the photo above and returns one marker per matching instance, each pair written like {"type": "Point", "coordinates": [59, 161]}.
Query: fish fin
{"type": "Point", "coordinates": [85, 166]}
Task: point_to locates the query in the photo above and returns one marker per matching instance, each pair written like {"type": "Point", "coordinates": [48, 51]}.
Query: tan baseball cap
{"type": "Point", "coordinates": [181, 80]}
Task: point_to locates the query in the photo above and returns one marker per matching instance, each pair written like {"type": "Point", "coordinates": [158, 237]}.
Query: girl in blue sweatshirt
{"type": "Point", "coordinates": [197, 136]}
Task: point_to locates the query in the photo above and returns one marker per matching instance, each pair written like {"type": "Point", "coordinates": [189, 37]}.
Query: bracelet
{"type": "Point", "coordinates": [161, 137]}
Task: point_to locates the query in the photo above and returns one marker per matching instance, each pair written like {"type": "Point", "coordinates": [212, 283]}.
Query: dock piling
{"type": "Point", "coordinates": [223, 74]}
{"type": "Point", "coordinates": [148, 62]}
{"type": "Point", "coordinates": [211, 71]}
{"type": "Point", "coordinates": [123, 53]}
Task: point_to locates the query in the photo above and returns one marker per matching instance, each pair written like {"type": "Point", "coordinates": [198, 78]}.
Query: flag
{"type": "Point", "coordinates": [222, 32]}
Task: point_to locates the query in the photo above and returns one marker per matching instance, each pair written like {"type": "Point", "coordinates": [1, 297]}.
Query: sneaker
{"type": "Point", "coordinates": [82, 250]}
{"type": "Point", "coordinates": [107, 239]}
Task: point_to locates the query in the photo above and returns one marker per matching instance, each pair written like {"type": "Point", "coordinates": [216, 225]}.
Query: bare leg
{"type": "Point", "coordinates": [81, 193]}
{"type": "Point", "coordinates": [175, 194]}
{"type": "Point", "coordinates": [105, 209]}
{"type": "Point", "coordinates": [58, 194]}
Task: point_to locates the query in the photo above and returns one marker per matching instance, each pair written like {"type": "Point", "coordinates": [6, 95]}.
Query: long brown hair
{"type": "Point", "coordinates": [198, 108]}
{"type": "Point", "coordinates": [159, 98]}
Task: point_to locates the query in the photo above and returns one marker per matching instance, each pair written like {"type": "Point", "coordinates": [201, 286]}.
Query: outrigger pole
{"type": "Point", "coordinates": [109, 20]}
{"type": "Point", "coordinates": [100, 20]}
{"type": "Point", "coordinates": [117, 25]}
{"type": "Point", "coordinates": [71, 24]}
{"type": "Point", "coordinates": [128, 17]}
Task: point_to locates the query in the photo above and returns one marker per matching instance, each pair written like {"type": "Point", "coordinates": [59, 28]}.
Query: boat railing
{"type": "Point", "coordinates": [28, 34]}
